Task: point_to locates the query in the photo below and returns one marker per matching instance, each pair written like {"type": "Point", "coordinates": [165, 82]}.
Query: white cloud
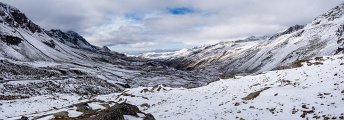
{"type": "Point", "coordinates": [143, 44]}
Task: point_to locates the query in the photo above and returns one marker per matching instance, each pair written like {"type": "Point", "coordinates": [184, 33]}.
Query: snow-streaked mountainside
{"type": "Point", "coordinates": [52, 74]}
{"type": "Point", "coordinates": [323, 36]}
{"type": "Point", "coordinates": [313, 90]}
{"type": "Point", "coordinates": [23, 40]}
{"type": "Point", "coordinates": [199, 57]}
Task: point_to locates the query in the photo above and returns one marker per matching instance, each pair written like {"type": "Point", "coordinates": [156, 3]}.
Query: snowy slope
{"type": "Point", "coordinates": [285, 94]}
{"type": "Point", "coordinates": [315, 90]}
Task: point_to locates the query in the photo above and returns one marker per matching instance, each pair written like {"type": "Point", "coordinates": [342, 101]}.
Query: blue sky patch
{"type": "Point", "coordinates": [180, 11]}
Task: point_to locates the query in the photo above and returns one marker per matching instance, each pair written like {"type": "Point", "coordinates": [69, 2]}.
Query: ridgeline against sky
{"type": "Point", "coordinates": [147, 25]}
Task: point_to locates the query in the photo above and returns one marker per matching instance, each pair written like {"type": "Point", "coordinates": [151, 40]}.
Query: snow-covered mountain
{"type": "Point", "coordinates": [323, 36]}
{"type": "Point", "coordinates": [23, 40]}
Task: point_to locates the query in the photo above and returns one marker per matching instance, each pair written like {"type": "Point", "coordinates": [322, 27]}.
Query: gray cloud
{"type": "Point", "coordinates": [146, 22]}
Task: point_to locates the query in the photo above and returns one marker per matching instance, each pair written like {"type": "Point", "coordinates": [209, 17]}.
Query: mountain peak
{"type": "Point", "coordinates": [73, 33]}
{"type": "Point", "coordinates": [331, 15]}
{"type": "Point", "coordinates": [71, 38]}
{"type": "Point", "coordinates": [106, 49]}
{"type": "Point", "coordinates": [15, 18]}
{"type": "Point", "coordinates": [288, 31]}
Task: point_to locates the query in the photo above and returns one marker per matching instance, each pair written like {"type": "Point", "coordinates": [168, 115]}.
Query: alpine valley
{"type": "Point", "coordinates": [54, 74]}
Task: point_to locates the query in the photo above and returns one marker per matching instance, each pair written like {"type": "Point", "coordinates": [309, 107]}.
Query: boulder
{"type": "Point", "coordinates": [62, 114]}
{"type": "Point", "coordinates": [118, 111]}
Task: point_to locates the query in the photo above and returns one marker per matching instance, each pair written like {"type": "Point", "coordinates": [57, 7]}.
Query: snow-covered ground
{"type": "Point", "coordinates": [315, 90]}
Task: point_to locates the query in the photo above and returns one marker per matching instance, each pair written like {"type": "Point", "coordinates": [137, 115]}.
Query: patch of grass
{"type": "Point", "coordinates": [12, 97]}
{"type": "Point", "coordinates": [253, 95]}
{"type": "Point", "coordinates": [298, 63]}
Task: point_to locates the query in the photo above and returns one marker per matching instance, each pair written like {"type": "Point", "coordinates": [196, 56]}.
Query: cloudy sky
{"type": "Point", "coordinates": [144, 25]}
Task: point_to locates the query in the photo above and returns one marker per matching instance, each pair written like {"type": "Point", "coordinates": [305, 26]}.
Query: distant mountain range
{"type": "Point", "coordinates": [323, 36]}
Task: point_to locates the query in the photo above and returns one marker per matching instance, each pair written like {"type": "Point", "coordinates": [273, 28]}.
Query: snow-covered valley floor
{"type": "Point", "coordinates": [313, 91]}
